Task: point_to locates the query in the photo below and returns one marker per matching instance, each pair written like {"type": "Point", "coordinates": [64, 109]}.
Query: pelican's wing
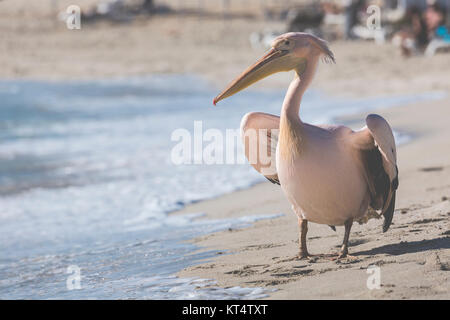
{"type": "Point", "coordinates": [376, 144]}
{"type": "Point", "coordinates": [259, 134]}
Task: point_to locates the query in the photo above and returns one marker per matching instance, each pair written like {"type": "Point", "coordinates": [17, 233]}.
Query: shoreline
{"type": "Point", "coordinates": [413, 255]}
{"type": "Point", "coordinates": [418, 240]}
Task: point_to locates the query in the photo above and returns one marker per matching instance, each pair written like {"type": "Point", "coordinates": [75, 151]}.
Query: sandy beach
{"type": "Point", "coordinates": [413, 256]}
{"type": "Point", "coordinates": [35, 45]}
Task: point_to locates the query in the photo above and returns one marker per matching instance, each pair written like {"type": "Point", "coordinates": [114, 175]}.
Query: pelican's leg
{"type": "Point", "coordinates": [348, 227]}
{"type": "Point", "coordinates": [303, 226]}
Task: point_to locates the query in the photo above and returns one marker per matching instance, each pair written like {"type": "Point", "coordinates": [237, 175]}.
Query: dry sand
{"type": "Point", "coordinates": [414, 255]}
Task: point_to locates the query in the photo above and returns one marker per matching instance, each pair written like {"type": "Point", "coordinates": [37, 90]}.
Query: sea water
{"type": "Point", "coordinates": [87, 183]}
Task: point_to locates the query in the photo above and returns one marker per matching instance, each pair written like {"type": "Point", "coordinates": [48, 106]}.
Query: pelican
{"type": "Point", "coordinates": [330, 174]}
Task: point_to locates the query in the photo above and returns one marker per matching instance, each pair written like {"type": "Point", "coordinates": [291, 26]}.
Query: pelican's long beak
{"type": "Point", "coordinates": [274, 61]}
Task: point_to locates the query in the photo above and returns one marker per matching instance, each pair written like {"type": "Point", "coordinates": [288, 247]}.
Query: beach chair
{"type": "Point", "coordinates": [441, 42]}
{"type": "Point", "coordinates": [435, 45]}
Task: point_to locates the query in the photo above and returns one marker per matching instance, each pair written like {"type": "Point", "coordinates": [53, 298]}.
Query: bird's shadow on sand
{"type": "Point", "coordinates": [397, 249]}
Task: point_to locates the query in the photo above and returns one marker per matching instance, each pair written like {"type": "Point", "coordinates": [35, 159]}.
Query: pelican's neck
{"type": "Point", "coordinates": [298, 86]}
{"type": "Point", "coordinates": [291, 133]}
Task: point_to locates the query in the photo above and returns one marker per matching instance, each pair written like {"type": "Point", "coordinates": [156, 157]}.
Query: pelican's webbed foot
{"type": "Point", "coordinates": [344, 250]}
{"type": "Point", "coordinates": [303, 226]}
{"type": "Point", "coordinates": [303, 255]}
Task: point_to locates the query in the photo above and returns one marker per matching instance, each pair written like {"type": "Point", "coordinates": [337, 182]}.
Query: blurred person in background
{"type": "Point", "coordinates": [423, 26]}
{"type": "Point", "coordinates": [351, 16]}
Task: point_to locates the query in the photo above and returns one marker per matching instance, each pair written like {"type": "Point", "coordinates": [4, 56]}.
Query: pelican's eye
{"type": "Point", "coordinates": [284, 45]}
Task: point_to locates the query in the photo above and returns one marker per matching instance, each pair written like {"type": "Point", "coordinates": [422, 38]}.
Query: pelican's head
{"type": "Point", "coordinates": [290, 51]}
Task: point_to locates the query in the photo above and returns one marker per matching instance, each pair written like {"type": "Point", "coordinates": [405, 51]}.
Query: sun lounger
{"type": "Point", "coordinates": [435, 45]}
